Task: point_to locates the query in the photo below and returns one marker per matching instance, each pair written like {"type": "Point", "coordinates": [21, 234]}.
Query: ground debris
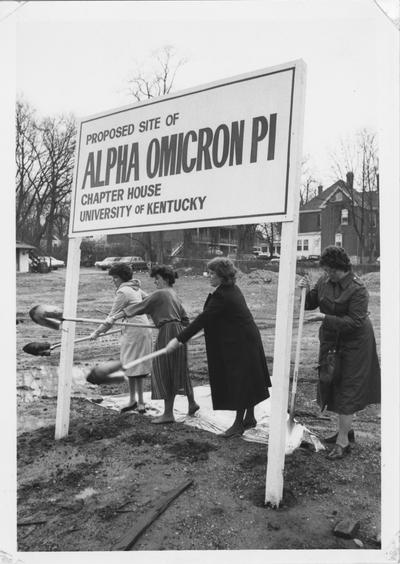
{"type": "Point", "coordinates": [346, 529]}
{"type": "Point", "coordinates": [129, 539]}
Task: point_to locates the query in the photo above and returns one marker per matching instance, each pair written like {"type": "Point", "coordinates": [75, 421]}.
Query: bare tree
{"type": "Point", "coordinates": [357, 161]}
{"type": "Point", "coordinates": [44, 158]}
{"type": "Point", "coordinates": [308, 187]}
{"type": "Point", "coordinates": [156, 80]}
{"type": "Point", "coordinates": [159, 76]}
{"type": "Point", "coordinates": [59, 137]}
{"type": "Point", "coordinates": [245, 234]}
{"type": "Point", "coordinates": [271, 233]}
{"type": "Point", "coordinates": [28, 174]}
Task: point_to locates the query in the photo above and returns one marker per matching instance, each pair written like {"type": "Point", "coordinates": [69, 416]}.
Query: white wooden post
{"type": "Point", "coordinates": [281, 369]}
{"type": "Point", "coordinates": [67, 338]}
{"type": "Point", "coordinates": [284, 309]}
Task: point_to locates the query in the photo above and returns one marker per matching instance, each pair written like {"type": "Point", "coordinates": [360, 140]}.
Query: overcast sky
{"type": "Point", "coordinates": [77, 56]}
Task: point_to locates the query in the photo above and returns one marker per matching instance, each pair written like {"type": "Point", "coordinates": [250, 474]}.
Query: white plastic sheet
{"type": "Point", "coordinates": [218, 421]}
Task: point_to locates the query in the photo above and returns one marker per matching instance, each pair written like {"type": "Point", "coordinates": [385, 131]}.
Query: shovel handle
{"type": "Point", "coordinates": [152, 355]}
{"type": "Point", "coordinates": [85, 338]}
{"type": "Point", "coordinates": [144, 358]}
{"type": "Point", "coordinates": [120, 323]}
{"type": "Point", "coordinates": [298, 347]}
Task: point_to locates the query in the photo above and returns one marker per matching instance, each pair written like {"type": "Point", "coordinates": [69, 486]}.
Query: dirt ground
{"type": "Point", "coordinates": [86, 491]}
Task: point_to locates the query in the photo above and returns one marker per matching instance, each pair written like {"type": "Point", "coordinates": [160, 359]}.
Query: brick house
{"type": "Point", "coordinates": [333, 217]}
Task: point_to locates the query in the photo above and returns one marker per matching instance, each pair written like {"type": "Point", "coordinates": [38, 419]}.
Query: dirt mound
{"type": "Point", "coordinates": [258, 277]}
{"type": "Point", "coordinates": [372, 280]}
{"type": "Point", "coordinates": [261, 277]}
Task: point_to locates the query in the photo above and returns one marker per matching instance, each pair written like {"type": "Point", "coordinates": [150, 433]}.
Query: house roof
{"type": "Point", "coordinates": [318, 202]}
{"type": "Point", "coordinates": [22, 245]}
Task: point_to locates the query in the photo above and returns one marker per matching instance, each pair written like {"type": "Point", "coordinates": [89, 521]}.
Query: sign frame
{"type": "Point", "coordinates": [285, 298]}
{"type": "Point", "coordinates": [284, 214]}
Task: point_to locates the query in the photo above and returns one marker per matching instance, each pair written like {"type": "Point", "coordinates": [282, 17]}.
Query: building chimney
{"type": "Point", "coordinates": [319, 190]}
{"type": "Point", "coordinates": [349, 179]}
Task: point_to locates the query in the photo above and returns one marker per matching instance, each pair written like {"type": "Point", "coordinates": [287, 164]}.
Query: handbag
{"type": "Point", "coordinates": [329, 367]}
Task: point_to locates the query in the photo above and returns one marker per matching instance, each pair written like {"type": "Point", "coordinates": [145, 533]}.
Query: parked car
{"type": "Point", "coordinates": [248, 257]}
{"type": "Point", "coordinates": [263, 256]}
{"type": "Point", "coordinates": [51, 262]}
{"type": "Point", "coordinates": [275, 260]}
{"type": "Point", "coordinates": [136, 263]}
{"type": "Point", "coordinates": [106, 263]}
{"type": "Point", "coordinates": [55, 263]}
{"type": "Point", "coordinates": [313, 258]}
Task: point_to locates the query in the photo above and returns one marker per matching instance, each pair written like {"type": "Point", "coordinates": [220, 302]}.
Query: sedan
{"type": "Point", "coordinates": [52, 262]}
{"type": "Point", "coordinates": [106, 263]}
{"type": "Point", "coordinates": [136, 263]}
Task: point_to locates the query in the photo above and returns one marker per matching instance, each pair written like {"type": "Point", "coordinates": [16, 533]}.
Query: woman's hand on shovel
{"type": "Point", "coordinates": [304, 282]}
{"type": "Point", "coordinates": [173, 345]}
{"type": "Point", "coordinates": [314, 316]}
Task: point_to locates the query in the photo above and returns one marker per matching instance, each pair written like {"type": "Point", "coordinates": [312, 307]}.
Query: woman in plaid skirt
{"type": "Point", "coordinates": [170, 375]}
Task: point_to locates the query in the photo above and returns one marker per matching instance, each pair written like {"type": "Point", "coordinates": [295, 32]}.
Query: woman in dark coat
{"type": "Point", "coordinates": [343, 302]}
{"type": "Point", "coordinates": [238, 371]}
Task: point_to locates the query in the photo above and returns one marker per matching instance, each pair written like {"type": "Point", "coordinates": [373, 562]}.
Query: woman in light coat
{"type": "Point", "coordinates": [135, 341]}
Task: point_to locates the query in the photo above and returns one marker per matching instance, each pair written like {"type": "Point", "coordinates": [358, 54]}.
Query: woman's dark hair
{"type": "Point", "coordinates": [224, 268]}
{"type": "Point", "coordinates": [166, 273]}
{"type": "Point", "coordinates": [335, 257]}
{"type": "Point", "coordinates": [124, 271]}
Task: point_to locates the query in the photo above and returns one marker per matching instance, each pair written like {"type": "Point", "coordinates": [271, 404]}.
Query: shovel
{"type": "Point", "coordinates": [291, 422]}
{"type": "Point", "coordinates": [101, 374]}
{"type": "Point", "coordinates": [43, 349]}
{"type": "Point", "coordinates": [52, 317]}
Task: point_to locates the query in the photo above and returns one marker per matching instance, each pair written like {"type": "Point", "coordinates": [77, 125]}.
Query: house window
{"type": "Point", "coordinates": [299, 244]}
{"type": "Point", "coordinates": [305, 245]}
{"type": "Point", "coordinates": [344, 217]}
{"type": "Point", "coordinates": [338, 240]}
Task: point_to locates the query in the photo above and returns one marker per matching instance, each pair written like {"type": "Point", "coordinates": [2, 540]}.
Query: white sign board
{"type": "Point", "coordinates": [217, 154]}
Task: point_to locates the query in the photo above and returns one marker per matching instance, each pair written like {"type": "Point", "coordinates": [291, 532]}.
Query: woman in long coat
{"type": "Point", "coordinates": [135, 342]}
{"type": "Point", "coordinates": [343, 303]}
{"type": "Point", "coordinates": [238, 371]}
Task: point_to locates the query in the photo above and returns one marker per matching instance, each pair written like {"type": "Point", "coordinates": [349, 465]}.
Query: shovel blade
{"type": "Point", "coordinates": [294, 435]}
{"type": "Point", "coordinates": [102, 373]}
{"type": "Point", "coordinates": [41, 314]}
{"type": "Point", "coordinates": [37, 349]}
